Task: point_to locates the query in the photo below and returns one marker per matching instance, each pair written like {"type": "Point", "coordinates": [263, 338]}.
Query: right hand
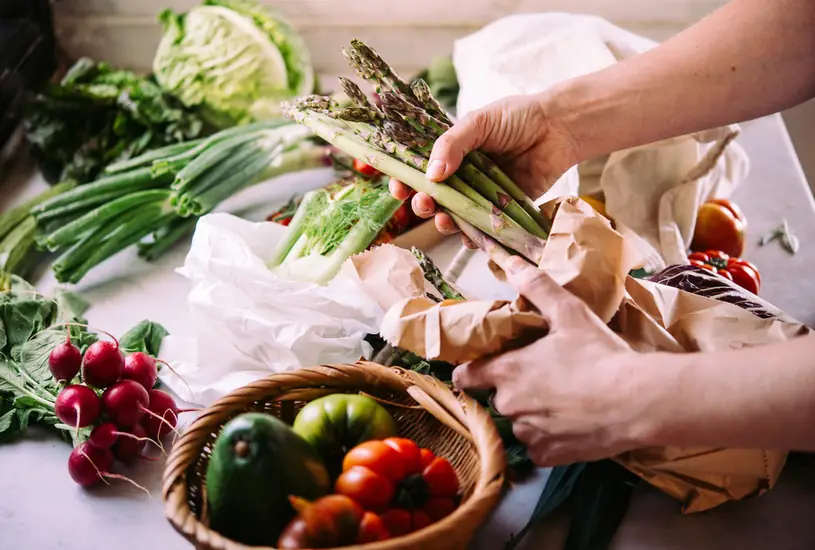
{"type": "Point", "coordinates": [531, 147]}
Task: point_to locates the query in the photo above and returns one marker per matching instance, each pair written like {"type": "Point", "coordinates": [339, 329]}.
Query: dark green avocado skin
{"type": "Point", "coordinates": [248, 495]}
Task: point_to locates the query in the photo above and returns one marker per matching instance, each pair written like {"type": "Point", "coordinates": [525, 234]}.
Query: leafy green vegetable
{"type": "Point", "coordinates": [329, 227]}
{"type": "Point", "coordinates": [98, 115]}
{"type": "Point", "coordinates": [235, 60]}
{"type": "Point", "coordinates": [31, 325]}
{"type": "Point", "coordinates": [145, 337]}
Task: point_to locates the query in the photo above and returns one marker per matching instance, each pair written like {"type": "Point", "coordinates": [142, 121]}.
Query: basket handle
{"type": "Point", "coordinates": [441, 414]}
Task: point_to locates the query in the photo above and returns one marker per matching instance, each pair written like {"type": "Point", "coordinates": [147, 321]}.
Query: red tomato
{"type": "Point", "coordinates": [427, 457]}
{"type": "Point", "coordinates": [720, 225]}
{"type": "Point", "coordinates": [365, 169]}
{"type": "Point", "coordinates": [441, 478]}
{"type": "Point", "coordinates": [741, 272]}
{"type": "Point", "coordinates": [328, 522]}
{"type": "Point", "coordinates": [420, 520]}
{"type": "Point", "coordinates": [403, 217]}
{"type": "Point", "coordinates": [438, 508]}
{"type": "Point", "coordinates": [371, 529]}
{"type": "Point", "coordinates": [739, 261]}
{"type": "Point", "coordinates": [745, 276]}
{"type": "Point", "coordinates": [397, 521]}
{"type": "Point", "coordinates": [379, 457]}
{"type": "Point", "coordinates": [411, 455]}
{"type": "Point", "coordinates": [718, 254]}
{"type": "Point", "coordinates": [370, 489]}
{"type": "Point", "coordinates": [724, 273]}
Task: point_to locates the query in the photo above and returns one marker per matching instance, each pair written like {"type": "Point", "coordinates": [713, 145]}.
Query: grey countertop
{"type": "Point", "coordinates": [41, 508]}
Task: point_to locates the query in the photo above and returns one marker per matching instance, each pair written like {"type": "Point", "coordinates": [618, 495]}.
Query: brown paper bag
{"type": "Point", "coordinates": [592, 260]}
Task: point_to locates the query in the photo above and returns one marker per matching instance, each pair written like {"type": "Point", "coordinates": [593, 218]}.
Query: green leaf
{"type": "Point", "coordinates": [32, 356]}
{"type": "Point", "coordinates": [9, 378]}
{"type": "Point", "coordinates": [71, 304]}
{"type": "Point", "coordinates": [145, 337]}
{"type": "Point", "coordinates": [600, 502]}
{"type": "Point", "coordinates": [7, 420]}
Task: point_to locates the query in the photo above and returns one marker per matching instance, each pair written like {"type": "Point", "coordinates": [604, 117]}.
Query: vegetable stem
{"type": "Point", "coordinates": [70, 232]}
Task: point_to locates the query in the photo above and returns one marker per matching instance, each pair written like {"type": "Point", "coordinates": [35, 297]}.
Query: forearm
{"type": "Point", "coordinates": [748, 59]}
{"type": "Point", "coordinates": [750, 398]}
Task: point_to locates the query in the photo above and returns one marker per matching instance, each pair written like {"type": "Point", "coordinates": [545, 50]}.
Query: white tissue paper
{"type": "Point", "coordinates": [248, 323]}
{"type": "Point", "coordinates": [529, 53]}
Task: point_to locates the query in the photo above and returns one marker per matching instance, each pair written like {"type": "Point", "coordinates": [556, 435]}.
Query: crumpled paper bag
{"type": "Point", "coordinates": [249, 323]}
{"type": "Point", "coordinates": [649, 316]}
{"type": "Point", "coordinates": [529, 53]}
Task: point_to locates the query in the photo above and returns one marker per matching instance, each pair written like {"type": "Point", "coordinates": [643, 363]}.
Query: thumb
{"type": "Point", "coordinates": [464, 136]}
{"type": "Point", "coordinates": [540, 289]}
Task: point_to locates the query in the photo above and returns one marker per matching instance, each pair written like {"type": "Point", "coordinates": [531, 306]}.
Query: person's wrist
{"type": "Point", "coordinates": [654, 389]}
{"type": "Point", "coordinates": [560, 105]}
{"type": "Point", "coordinates": [587, 111]}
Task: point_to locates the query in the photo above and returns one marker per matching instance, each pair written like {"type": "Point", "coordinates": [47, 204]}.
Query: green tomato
{"type": "Point", "coordinates": [337, 423]}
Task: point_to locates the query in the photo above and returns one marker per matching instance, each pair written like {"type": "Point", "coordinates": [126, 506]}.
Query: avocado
{"type": "Point", "coordinates": [257, 462]}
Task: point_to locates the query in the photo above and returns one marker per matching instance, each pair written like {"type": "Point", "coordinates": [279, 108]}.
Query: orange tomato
{"type": "Point", "coordinates": [720, 225]}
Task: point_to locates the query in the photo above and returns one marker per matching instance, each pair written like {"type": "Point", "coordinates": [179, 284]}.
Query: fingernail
{"type": "Point", "coordinates": [435, 169]}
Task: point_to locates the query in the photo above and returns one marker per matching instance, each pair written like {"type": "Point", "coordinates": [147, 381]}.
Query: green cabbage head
{"type": "Point", "coordinates": [234, 60]}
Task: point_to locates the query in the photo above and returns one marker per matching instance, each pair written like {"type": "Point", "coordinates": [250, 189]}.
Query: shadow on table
{"type": "Point", "coordinates": [782, 519]}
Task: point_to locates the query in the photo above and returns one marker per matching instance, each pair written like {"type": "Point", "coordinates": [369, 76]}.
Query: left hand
{"type": "Point", "coordinates": [574, 395]}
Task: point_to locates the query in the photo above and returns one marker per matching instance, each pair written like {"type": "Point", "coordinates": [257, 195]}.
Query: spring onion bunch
{"type": "Point", "coordinates": [394, 132]}
{"type": "Point", "coordinates": [330, 225]}
{"type": "Point", "coordinates": [163, 193]}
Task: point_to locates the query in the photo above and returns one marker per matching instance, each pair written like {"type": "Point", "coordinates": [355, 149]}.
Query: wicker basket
{"type": "Point", "coordinates": [451, 424]}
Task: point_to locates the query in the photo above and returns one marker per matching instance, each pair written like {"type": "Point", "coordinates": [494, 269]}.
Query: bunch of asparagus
{"type": "Point", "coordinates": [394, 132]}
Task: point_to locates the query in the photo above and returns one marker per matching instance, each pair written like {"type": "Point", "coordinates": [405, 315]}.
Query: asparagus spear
{"type": "Point", "coordinates": [431, 127]}
{"type": "Point", "coordinates": [434, 276]}
{"type": "Point", "coordinates": [339, 134]}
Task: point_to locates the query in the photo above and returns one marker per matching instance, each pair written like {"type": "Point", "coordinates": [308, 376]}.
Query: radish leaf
{"type": "Point", "coordinates": [145, 337]}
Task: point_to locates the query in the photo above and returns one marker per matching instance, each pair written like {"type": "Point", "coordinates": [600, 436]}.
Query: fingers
{"type": "Point", "coordinates": [463, 137]}
{"type": "Point", "coordinates": [445, 224]}
{"type": "Point", "coordinates": [477, 375]}
{"type": "Point", "coordinates": [423, 205]}
{"type": "Point", "coordinates": [539, 288]}
{"type": "Point", "coordinates": [398, 190]}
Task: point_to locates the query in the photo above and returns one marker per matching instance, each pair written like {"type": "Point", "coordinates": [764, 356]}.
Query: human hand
{"type": "Point", "coordinates": [574, 395]}
{"type": "Point", "coordinates": [531, 147]}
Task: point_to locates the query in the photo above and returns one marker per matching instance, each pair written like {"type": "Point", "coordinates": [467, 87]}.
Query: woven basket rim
{"type": "Point", "coordinates": [448, 406]}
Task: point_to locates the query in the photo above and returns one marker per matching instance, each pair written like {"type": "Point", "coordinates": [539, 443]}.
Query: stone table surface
{"type": "Point", "coordinates": [41, 508]}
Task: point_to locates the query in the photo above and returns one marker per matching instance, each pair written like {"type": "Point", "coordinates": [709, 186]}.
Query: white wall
{"type": "Point", "coordinates": [407, 32]}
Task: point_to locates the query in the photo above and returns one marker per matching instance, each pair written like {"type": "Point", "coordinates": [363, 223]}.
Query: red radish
{"type": "Point", "coordinates": [164, 417]}
{"type": "Point", "coordinates": [141, 368]}
{"type": "Point", "coordinates": [102, 364]}
{"type": "Point", "coordinates": [125, 403]}
{"type": "Point", "coordinates": [104, 435]}
{"type": "Point", "coordinates": [88, 465]}
{"type": "Point", "coordinates": [77, 406]}
{"type": "Point", "coordinates": [128, 449]}
{"type": "Point", "coordinates": [64, 361]}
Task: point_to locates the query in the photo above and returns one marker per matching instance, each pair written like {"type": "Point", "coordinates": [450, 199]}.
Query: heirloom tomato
{"type": "Point", "coordinates": [408, 485]}
{"type": "Point", "coordinates": [720, 225]}
{"type": "Point", "coordinates": [741, 272]}
{"type": "Point", "coordinates": [338, 422]}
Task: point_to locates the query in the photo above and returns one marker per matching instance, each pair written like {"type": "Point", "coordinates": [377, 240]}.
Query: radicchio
{"type": "Point", "coordinates": [704, 283]}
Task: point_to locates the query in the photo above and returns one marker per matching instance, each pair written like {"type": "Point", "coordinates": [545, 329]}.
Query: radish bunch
{"type": "Point", "coordinates": [115, 395]}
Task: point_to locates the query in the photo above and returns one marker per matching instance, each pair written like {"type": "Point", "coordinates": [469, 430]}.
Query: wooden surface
{"type": "Point", "coordinates": [408, 34]}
